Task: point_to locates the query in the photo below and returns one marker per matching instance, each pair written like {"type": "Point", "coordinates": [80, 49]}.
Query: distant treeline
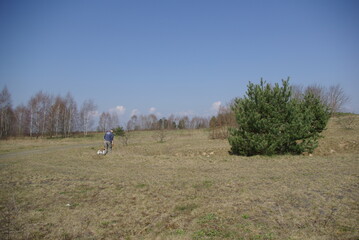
{"type": "Point", "coordinates": [151, 122]}
{"type": "Point", "coordinates": [48, 116]}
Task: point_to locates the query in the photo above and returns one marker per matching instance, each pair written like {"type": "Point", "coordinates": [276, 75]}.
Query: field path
{"type": "Point", "coordinates": [44, 150]}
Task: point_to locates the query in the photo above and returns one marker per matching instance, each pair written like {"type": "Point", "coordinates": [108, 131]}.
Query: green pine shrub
{"type": "Point", "coordinates": [119, 131]}
{"type": "Point", "coordinates": [271, 122]}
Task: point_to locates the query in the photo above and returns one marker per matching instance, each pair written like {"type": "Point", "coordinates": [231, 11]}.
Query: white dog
{"type": "Point", "coordinates": [101, 152]}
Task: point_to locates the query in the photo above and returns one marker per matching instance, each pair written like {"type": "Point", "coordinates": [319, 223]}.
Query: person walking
{"type": "Point", "coordinates": [108, 140]}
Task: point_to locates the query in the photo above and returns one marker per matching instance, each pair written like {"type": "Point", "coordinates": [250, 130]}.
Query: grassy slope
{"type": "Point", "coordinates": [188, 187]}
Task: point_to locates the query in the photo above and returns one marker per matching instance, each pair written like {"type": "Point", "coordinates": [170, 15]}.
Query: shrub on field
{"type": "Point", "coordinates": [119, 131]}
{"type": "Point", "coordinates": [270, 121]}
{"type": "Point", "coordinates": [125, 135]}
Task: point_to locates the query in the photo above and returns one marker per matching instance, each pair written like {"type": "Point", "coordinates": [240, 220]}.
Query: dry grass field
{"type": "Point", "coordinates": [188, 187]}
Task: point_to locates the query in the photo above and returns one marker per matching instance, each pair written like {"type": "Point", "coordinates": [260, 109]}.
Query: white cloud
{"type": "Point", "coordinates": [152, 110]}
{"type": "Point", "coordinates": [120, 110]}
{"type": "Point", "coordinates": [216, 105]}
{"type": "Point", "coordinates": [135, 112]}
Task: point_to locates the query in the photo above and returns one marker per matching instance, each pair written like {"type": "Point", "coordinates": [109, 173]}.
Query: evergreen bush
{"type": "Point", "coordinates": [271, 122]}
{"type": "Point", "coordinates": [119, 131]}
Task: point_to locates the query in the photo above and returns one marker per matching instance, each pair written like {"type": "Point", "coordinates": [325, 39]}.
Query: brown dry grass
{"type": "Point", "coordinates": [188, 187]}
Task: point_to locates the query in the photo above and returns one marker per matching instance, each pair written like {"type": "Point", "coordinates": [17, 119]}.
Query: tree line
{"type": "Point", "coordinates": [47, 116]}
{"type": "Point", "coordinates": [60, 116]}
{"type": "Point", "coordinates": [151, 122]}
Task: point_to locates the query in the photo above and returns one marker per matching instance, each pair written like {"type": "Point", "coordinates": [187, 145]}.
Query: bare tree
{"type": "Point", "coordinates": [21, 120]}
{"type": "Point", "coordinates": [297, 92]}
{"type": "Point", "coordinates": [57, 117]}
{"type": "Point", "coordinates": [39, 110]}
{"type": "Point", "coordinates": [145, 121]}
{"type": "Point", "coordinates": [219, 125]}
{"type": "Point", "coordinates": [70, 114]}
{"type": "Point", "coordinates": [171, 122]}
{"type": "Point", "coordinates": [45, 102]}
{"type": "Point", "coordinates": [183, 122]}
{"type": "Point", "coordinates": [6, 113]}
{"type": "Point", "coordinates": [199, 122]}
{"type": "Point", "coordinates": [108, 121]}
{"type": "Point", "coordinates": [114, 120]}
{"type": "Point", "coordinates": [34, 116]}
{"type": "Point", "coordinates": [336, 98]}
{"type": "Point", "coordinates": [132, 124]}
{"type": "Point", "coordinates": [152, 122]}
{"type": "Point", "coordinates": [104, 121]}
{"type": "Point", "coordinates": [87, 113]}
{"type": "Point", "coordinates": [318, 91]}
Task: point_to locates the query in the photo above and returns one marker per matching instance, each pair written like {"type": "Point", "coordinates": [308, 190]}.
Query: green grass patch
{"type": "Point", "coordinates": [186, 207]}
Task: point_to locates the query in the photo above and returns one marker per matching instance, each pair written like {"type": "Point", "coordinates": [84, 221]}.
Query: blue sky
{"type": "Point", "coordinates": [175, 56]}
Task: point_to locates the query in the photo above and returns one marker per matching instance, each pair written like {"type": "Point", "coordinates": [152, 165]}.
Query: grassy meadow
{"type": "Point", "coordinates": [187, 187]}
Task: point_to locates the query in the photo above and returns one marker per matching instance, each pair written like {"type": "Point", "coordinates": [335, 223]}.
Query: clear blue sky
{"type": "Point", "coordinates": [175, 56]}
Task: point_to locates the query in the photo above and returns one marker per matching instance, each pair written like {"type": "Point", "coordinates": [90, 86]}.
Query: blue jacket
{"type": "Point", "coordinates": [108, 136]}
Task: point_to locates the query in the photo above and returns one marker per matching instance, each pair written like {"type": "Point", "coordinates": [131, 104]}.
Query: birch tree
{"type": "Point", "coordinates": [70, 114]}
{"type": "Point", "coordinates": [114, 120]}
{"type": "Point", "coordinates": [132, 124]}
{"type": "Point", "coordinates": [39, 110]}
{"type": "Point", "coordinates": [104, 121]}
{"type": "Point", "coordinates": [45, 102]}
{"type": "Point", "coordinates": [87, 112]}
{"type": "Point", "coordinates": [34, 116]}
{"type": "Point", "coordinates": [21, 120]}
{"type": "Point", "coordinates": [57, 116]}
{"type": "Point", "coordinates": [6, 114]}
